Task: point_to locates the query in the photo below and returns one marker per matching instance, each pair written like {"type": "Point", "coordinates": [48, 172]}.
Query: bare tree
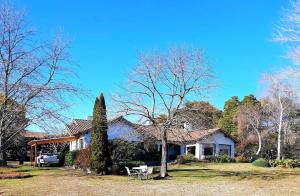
{"type": "Point", "coordinates": [34, 78]}
{"type": "Point", "coordinates": [288, 30]}
{"type": "Point", "coordinates": [160, 84]}
{"type": "Point", "coordinates": [281, 105]}
{"type": "Point", "coordinates": [250, 118]}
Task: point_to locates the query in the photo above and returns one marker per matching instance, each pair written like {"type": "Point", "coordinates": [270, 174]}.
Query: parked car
{"type": "Point", "coordinates": [47, 159]}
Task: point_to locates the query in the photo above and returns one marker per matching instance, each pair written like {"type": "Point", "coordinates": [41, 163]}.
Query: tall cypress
{"type": "Point", "coordinates": [100, 157]}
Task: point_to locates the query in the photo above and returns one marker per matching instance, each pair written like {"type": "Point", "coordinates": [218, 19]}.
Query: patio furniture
{"type": "Point", "coordinates": [132, 173]}
{"type": "Point", "coordinates": [146, 173]}
{"type": "Point", "coordinates": [141, 168]}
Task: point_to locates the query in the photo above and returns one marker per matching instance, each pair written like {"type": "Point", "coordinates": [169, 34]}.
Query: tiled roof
{"type": "Point", "coordinates": [32, 134]}
{"type": "Point", "coordinates": [176, 135]}
{"type": "Point", "coordinates": [80, 126]}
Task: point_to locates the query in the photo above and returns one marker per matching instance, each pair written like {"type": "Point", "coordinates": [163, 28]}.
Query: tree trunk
{"type": "Point", "coordinates": [3, 161]}
{"type": "Point", "coordinates": [259, 142]}
{"type": "Point", "coordinates": [279, 135]}
{"type": "Point", "coordinates": [163, 167]}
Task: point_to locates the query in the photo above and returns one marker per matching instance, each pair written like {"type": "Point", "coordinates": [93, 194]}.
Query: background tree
{"type": "Point", "coordinates": [250, 118]}
{"type": "Point", "coordinates": [228, 122]}
{"type": "Point", "coordinates": [199, 115]}
{"type": "Point", "coordinates": [281, 105]}
{"type": "Point", "coordinates": [100, 157]}
{"type": "Point", "coordinates": [287, 31]}
{"type": "Point", "coordinates": [33, 75]}
{"type": "Point", "coordinates": [160, 84]}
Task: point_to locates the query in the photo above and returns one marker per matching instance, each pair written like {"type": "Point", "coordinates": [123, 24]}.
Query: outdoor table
{"type": "Point", "coordinates": [139, 170]}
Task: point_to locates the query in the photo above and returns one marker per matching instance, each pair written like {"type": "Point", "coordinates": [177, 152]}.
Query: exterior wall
{"type": "Point", "coordinates": [216, 140]}
{"type": "Point", "coordinates": [115, 131]}
{"type": "Point", "coordinates": [75, 145]}
{"type": "Point", "coordinates": [219, 139]}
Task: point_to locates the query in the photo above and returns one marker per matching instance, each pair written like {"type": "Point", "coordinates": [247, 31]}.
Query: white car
{"type": "Point", "coordinates": [47, 159]}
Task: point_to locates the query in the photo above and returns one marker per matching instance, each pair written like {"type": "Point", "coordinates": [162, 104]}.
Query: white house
{"type": "Point", "coordinates": [118, 128]}
{"type": "Point", "coordinates": [201, 143]}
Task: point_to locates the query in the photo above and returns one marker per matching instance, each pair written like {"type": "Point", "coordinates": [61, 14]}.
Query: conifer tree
{"type": "Point", "coordinates": [228, 122]}
{"type": "Point", "coordinates": [100, 157]}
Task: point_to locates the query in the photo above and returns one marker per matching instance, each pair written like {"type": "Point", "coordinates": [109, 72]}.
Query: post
{"type": "Point", "coordinates": [35, 153]}
{"type": "Point", "coordinates": [31, 155]}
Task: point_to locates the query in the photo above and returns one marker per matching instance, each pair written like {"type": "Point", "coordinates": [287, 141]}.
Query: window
{"type": "Point", "coordinates": [81, 143]}
{"type": "Point", "coordinates": [191, 150]}
{"type": "Point", "coordinates": [208, 151]}
{"type": "Point", "coordinates": [225, 149]}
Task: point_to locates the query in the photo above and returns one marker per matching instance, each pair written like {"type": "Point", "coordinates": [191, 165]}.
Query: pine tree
{"type": "Point", "coordinates": [100, 157]}
{"type": "Point", "coordinates": [228, 122]}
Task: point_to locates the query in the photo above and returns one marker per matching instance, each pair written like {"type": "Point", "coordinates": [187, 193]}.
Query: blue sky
{"type": "Point", "coordinates": [107, 36]}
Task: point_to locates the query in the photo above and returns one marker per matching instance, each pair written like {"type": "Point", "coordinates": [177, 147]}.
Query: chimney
{"type": "Point", "coordinates": [89, 118]}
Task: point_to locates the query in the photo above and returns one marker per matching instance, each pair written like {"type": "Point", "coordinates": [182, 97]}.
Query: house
{"type": "Point", "coordinates": [200, 143]}
{"type": "Point", "coordinates": [118, 128]}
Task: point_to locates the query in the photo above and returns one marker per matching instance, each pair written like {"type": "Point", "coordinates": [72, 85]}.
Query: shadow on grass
{"type": "Point", "coordinates": [211, 173]}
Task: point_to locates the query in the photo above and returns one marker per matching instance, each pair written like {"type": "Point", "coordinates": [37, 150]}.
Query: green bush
{"type": "Point", "coordinates": [261, 163]}
{"type": "Point", "coordinates": [70, 158]}
{"type": "Point", "coordinates": [285, 163]}
{"type": "Point", "coordinates": [221, 159]}
{"type": "Point", "coordinates": [122, 151]}
{"type": "Point", "coordinates": [241, 159]}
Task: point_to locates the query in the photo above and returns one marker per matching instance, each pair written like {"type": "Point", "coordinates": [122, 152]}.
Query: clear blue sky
{"type": "Point", "coordinates": [107, 35]}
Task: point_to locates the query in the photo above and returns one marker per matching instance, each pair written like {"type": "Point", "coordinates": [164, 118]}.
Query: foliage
{"type": "Point", "coordinates": [187, 158]}
{"type": "Point", "coordinates": [100, 158]}
{"type": "Point", "coordinates": [124, 152]}
{"type": "Point", "coordinates": [200, 115]}
{"type": "Point", "coordinates": [221, 159]}
{"type": "Point", "coordinates": [82, 160]}
{"type": "Point", "coordinates": [250, 120]}
{"type": "Point", "coordinates": [70, 157]}
{"type": "Point", "coordinates": [241, 159]}
{"type": "Point", "coordinates": [285, 163]}
{"type": "Point", "coordinates": [261, 163]}
{"type": "Point", "coordinates": [228, 121]}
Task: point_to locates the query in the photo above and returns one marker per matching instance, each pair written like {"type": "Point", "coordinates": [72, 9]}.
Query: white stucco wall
{"type": "Point", "coordinates": [115, 131]}
{"type": "Point", "coordinates": [218, 138]}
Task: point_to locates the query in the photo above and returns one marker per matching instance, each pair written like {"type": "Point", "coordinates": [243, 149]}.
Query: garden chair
{"type": "Point", "coordinates": [147, 173]}
{"type": "Point", "coordinates": [131, 173]}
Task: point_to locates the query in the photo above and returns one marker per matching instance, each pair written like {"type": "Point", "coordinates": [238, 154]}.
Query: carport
{"type": "Point", "coordinates": [34, 144]}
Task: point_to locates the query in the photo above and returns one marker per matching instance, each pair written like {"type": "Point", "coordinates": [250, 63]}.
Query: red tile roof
{"type": "Point", "coordinates": [176, 135]}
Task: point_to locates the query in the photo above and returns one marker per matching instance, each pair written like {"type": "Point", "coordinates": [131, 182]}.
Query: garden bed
{"type": "Point", "coordinates": [13, 175]}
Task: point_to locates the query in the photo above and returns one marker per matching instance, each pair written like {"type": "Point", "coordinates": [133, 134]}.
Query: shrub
{"type": "Point", "coordinates": [285, 163]}
{"type": "Point", "coordinates": [221, 159]}
{"type": "Point", "coordinates": [182, 159]}
{"type": "Point", "coordinates": [123, 151]}
{"type": "Point", "coordinates": [70, 158]}
{"type": "Point", "coordinates": [261, 163]}
{"type": "Point", "coordinates": [241, 159]}
{"type": "Point", "coordinates": [82, 159]}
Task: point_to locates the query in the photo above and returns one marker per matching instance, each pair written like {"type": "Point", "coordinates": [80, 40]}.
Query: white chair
{"type": "Point", "coordinates": [147, 173]}
{"type": "Point", "coordinates": [131, 173]}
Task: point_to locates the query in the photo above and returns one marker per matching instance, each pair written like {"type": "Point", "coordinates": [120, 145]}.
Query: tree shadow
{"type": "Point", "coordinates": [211, 173]}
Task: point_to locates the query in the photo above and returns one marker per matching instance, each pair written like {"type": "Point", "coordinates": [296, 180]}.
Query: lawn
{"type": "Point", "coordinates": [193, 179]}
